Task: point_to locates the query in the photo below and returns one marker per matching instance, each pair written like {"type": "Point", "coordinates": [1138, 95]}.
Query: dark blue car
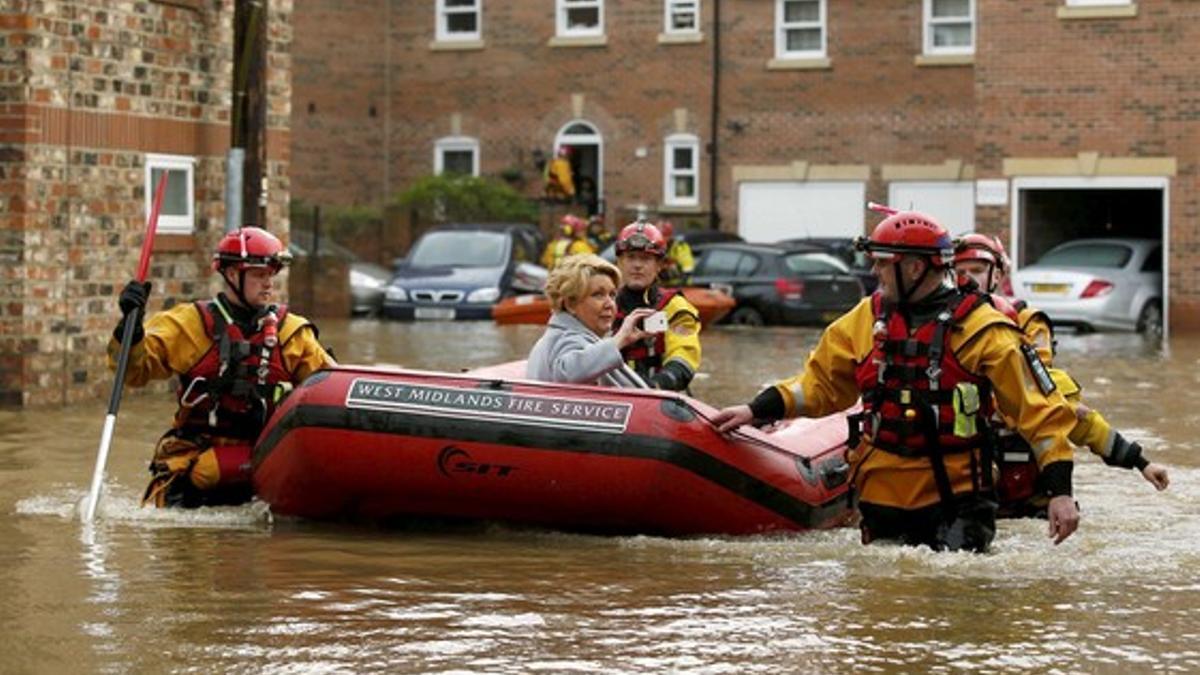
{"type": "Point", "coordinates": [460, 271]}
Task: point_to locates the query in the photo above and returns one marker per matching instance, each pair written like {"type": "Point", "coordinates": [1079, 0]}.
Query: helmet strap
{"type": "Point", "coordinates": [237, 290]}
{"type": "Point", "coordinates": [904, 292]}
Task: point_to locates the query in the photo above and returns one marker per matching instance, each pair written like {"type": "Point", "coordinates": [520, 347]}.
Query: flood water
{"type": "Point", "coordinates": [234, 590]}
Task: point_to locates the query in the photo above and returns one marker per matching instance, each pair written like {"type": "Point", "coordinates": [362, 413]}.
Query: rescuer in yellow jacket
{"type": "Point", "coordinates": [981, 260]}
{"type": "Point", "coordinates": [236, 356]}
{"type": "Point", "coordinates": [929, 362]}
{"type": "Point", "coordinates": [668, 359]}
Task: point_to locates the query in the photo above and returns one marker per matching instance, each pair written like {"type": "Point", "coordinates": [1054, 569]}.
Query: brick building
{"type": "Point", "coordinates": [1039, 120]}
{"type": "Point", "coordinates": [96, 98]}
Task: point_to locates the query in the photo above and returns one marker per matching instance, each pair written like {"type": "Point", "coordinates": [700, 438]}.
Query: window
{"type": "Point", "coordinates": [800, 28]}
{"type": "Point", "coordinates": [949, 26]}
{"type": "Point", "coordinates": [178, 213]}
{"type": "Point", "coordinates": [682, 16]}
{"type": "Point", "coordinates": [719, 263]}
{"type": "Point", "coordinates": [681, 154]}
{"type": "Point", "coordinates": [580, 18]}
{"type": "Point", "coordinates": [456, 154]}
{"type": "Point", "coordinates": [459, 19]}
{"type": "Point", "coordinates": [1097, 3]}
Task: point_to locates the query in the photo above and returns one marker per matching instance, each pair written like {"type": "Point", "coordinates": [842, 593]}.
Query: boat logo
{"type": "Point", "coordinates": [453, 459]}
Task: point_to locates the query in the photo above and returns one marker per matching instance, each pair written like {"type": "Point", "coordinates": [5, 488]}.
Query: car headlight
{"type": "Point", "coordinates": [484, 295]}
{"type": "Point", "coordinates": [364, 280]}
{"type": "Point", "coordinates": [396, 294]}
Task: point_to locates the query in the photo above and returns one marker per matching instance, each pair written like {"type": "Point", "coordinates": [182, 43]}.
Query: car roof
{"type": "Point", "coordinates": [484, 227]}
{"type": "Point", "coordinates": [1129, 241]}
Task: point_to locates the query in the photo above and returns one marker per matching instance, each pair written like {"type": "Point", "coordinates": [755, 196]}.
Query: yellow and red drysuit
{"type": "Point", "coordinates": [971, 354]}
{"type": "Point", "coordinates": [668, 360]}
{"type": "Point", "coordinates": [233, 366]}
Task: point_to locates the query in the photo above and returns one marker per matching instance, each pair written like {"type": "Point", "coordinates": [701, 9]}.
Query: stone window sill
{"type": "Point", "coordinates": [682, 209]}
{"type": "Point", "coordinates": [578, 41]}
{"type": "Point", "coordinates": [937, 60]}
{"type": "Point", "coordinates": [680, 38]}
{"type": "Point", "coordinates": [194, 5]}
{"type": "Point", "coordinates": [455, 45]}
{"type": "Point", "coordinates": [800, 64]}
{"type": "Point", "coordinates": [1098, 12]}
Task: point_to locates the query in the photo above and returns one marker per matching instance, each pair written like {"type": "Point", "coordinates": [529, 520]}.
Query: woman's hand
{"type": "Point", "coordinates": [629, 332]}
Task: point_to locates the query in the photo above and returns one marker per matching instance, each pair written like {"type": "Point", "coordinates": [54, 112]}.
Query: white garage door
{"type": "Point", "coordinates": [952, 203]}
{"type": "Point", "coordinates": [771, 211]}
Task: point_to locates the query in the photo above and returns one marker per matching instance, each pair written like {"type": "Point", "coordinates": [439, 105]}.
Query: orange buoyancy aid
{"type": "Point", "coordinates": [234, 387]}
{"type": "Point", "coordinates": [918, 399]}
{"type": "Point", "coordinates": [644, 356]}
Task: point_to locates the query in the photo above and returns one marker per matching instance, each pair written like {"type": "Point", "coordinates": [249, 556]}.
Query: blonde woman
{"type": "Point", "coordinates": [576, 347]}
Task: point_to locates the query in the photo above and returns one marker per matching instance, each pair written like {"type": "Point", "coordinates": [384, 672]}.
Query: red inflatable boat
{"type": "Point", "coordinates": [374, 444]}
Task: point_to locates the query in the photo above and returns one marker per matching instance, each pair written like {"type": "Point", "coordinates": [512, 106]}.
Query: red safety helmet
{"type": "Point", "coordinates": [667, 229]}
{"type": "Point", "coordinates": [573, 225]}
{"type": "Point", "coordinates": [641, 236]}
{"type": "Point", "coordinates": [250, 247]}
{"type": "Point", "coordinates": [909, 233]}
{"type": "Point", "coordinates": [982, 248]}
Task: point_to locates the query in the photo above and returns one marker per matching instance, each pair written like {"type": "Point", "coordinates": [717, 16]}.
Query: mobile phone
{"type": "Point", "coordinates": [655, 323]}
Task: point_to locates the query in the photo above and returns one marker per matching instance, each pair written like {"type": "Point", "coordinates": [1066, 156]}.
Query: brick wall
{"type": "Point", "coordinates": [1121, 87]}
{"type": "Point", "coordinates": [101, 84]}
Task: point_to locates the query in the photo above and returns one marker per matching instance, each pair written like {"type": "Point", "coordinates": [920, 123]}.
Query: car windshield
{"type": "Point", "coordinates": [815, 263]}
{"type": "Point", "coordinates": [1111, 256]}
{"type": "Point", "coordinates": [460, 249]}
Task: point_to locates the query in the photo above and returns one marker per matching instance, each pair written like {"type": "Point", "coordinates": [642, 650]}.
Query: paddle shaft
{"type": "Point", "coordinates": [132, 321]}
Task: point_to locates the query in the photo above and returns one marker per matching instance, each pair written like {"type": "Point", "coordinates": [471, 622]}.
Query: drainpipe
{"type": "Point", "coordinates": [714, 222]}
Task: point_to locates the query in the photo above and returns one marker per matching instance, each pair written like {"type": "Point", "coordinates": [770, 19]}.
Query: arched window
{"type": "Point", "coordinates": [587, 154]}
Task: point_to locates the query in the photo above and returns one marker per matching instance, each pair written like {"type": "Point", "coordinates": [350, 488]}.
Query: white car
{"type": "Point", "coordinates": [1098, 284]}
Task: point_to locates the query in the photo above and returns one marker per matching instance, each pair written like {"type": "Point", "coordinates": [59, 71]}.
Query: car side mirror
{"type": "Point", "coordinates": [529, 278]}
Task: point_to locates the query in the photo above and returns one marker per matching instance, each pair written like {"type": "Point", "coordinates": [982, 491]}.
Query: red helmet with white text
{"type": "Point", "coordinates": [250, 247]}
{"type": "Point", "coordinates": [909, 233]}
{"type": "Point", "coordinates": [641, 236]}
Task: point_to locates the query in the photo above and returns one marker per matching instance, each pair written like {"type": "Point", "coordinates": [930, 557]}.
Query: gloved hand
{"type": "Point", "coordinates": [133, 296]}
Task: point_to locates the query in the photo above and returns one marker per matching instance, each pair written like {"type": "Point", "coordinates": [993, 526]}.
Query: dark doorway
{"type": "Point", "coordinates": [1051, 216]}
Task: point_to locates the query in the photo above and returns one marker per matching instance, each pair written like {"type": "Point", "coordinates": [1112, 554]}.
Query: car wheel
{"type": "Point", "coordinates": [746, 316]}
{"type": "Point", "coordinates": [1150, 320]}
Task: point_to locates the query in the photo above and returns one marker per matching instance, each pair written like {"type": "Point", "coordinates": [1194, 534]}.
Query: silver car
{"type": "Point", "coordinates": [1098, 284]}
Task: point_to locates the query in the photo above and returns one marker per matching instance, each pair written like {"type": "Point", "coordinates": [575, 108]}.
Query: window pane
{"type": "Point", "coordinates": [685, 187]}
{"type": "Point", "coordinates": [175, 198]}
{"type": "Point", "coordinates": [460, 23]}
{"type": "Point", "coordinates": [582, 17]}
{"type": "Point", "coordinates": [683, 21]}
{"type": "Point", "coordinates": [460, 3]}
{"type": "Point", "coordinates": [952, 36]}
{"type": "Point", "coordinates": [458, 161]}
{"type": "Point", "coordinates": [1114, 256]}
{"type": "Point", "coordinates": [801, 10]}
{"type": "Point", "coordinates": [804, 40]}
{"type": "Point", "coordinates": [682, 158]}
{"type": "Point", "coordinates": [720, 263]}
{"type": "Point", "coordinates": [747, 266]}
{"type": "Point", "coordinates": [951, 8]}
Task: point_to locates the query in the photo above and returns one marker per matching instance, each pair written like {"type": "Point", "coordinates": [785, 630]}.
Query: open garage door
{"type": "Point", "coordinates": [1052, 211]}
{"type": "Point", "coordinates": [770, 211]}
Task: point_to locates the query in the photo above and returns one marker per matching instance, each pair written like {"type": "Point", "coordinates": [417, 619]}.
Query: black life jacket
{"type": "Point", "coordinates": [234, 387]}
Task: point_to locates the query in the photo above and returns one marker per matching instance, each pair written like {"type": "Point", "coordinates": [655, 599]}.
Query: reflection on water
{"type": "Point", "coordinates": [234, 590]}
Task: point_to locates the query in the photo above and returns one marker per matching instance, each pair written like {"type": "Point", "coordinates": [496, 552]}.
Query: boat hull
{"type": "Point", "coordinates": [374, 445]}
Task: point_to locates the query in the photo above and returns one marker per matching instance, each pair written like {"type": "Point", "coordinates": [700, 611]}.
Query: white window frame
{"type": "Point", "coordinates": [443, 21]}
{"type": "Point", "coordinates": [781, 29]}
{"type": "Point", "coordinates": [172, 224]}
{"type": "Point", "coordinates": [670, 171]}
{"type": "Point", "coordinates": [455, 144]}
{"type": "Point", "coordinates": [562, 9]}
{"type": "Point", "coordinates": [673, 7]}
{"type": "Point", "coordinates": [930, 23]}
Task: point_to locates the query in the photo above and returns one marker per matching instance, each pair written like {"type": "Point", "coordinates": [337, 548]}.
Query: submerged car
{"type": "Point", "coordinates": [1098, 284]}
{"type": "Point", "coordinates": [460, 271]}
{"type": "Point", "coordinates": [797, 285]}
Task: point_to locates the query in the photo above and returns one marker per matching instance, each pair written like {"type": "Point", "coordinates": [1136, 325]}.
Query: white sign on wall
{"type": "Point", "coordinates": [991, 192]}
